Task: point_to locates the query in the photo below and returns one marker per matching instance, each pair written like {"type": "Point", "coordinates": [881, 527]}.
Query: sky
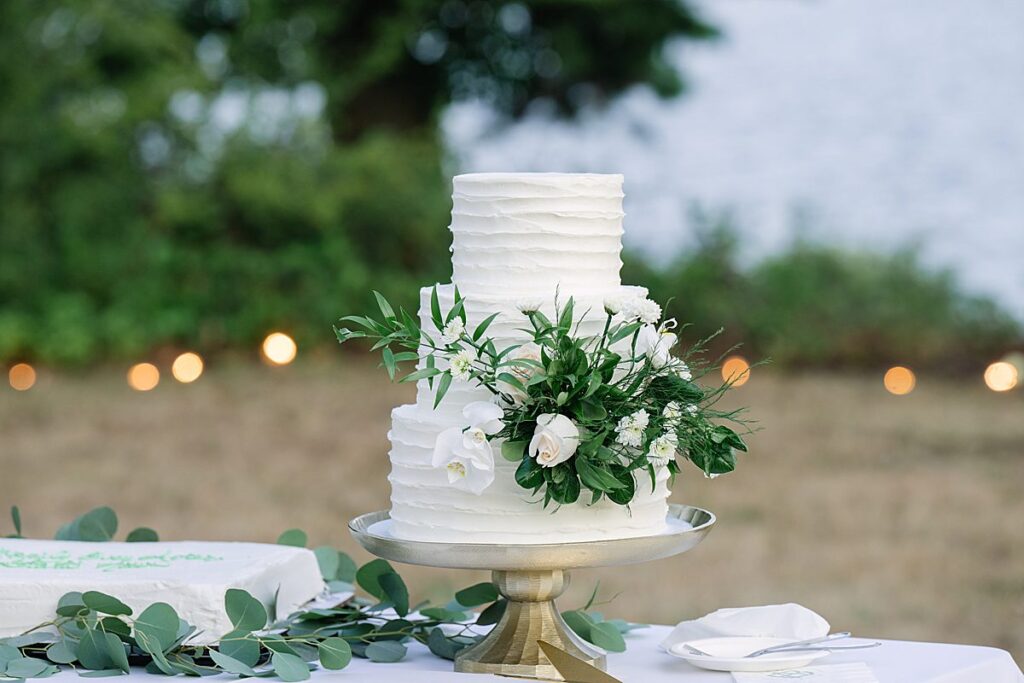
{"type": "Point", "coordinates": [868, 123]}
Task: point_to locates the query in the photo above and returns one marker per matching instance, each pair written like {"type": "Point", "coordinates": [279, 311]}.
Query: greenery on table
{"type": "Point", "coordinates": [578, 411]}
{"type": "Point", "coordinates": [98, 635]}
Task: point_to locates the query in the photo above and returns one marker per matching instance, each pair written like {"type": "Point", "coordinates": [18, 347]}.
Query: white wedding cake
{"type": "Point", "coordinates": [192, 577]}
{"type": "Point", "coordinates": [518, 239]}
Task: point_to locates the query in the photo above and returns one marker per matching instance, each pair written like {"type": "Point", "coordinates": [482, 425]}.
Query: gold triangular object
{"type": "Point", "coordinates": [573, 669]}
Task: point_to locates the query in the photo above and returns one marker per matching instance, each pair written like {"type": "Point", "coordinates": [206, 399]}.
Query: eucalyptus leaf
{"type": "Point", "coordinates": [7, 654]}
{"type": "Point", "coordinates": [478, 594]}
{"type": "Point", "coordinates": [97, 525]}
{"type": "Point", "coordinates": [513, 450]}
{"type": "Point", "coordinates": [105, 604]}
{"type": "Point", "coordinates": [142, 534]}
{"type": "Point", "coordinates": [605, 635]}
{"type": "Point", "coordinates": [385, 651]}
{"type": "Point", "coordinates": [62, 652]}
{"type": "Point", "coordinates": [230, 664]}
{"type": "Point", "coordinates": [92, 650]}
{"type": "Point", "coordinates": [158, 627]}
{"type": "Point", "coordinates": [335, 653]}
{"type": "Point", "coordinates": [289, 668]}
{"type": "Point", "coordinates": [16, 519]}
{"type": "Point", "coordinates": [240, 646]}
{"type": "Point", "coordinates": [293, 537]}
{"type": "Point", "coordinates": [327, 558]}
{"type": "Point", "coordinates": [493, 613]}
{"type": "Point", "coordinates": [441, 645]}
{"type": "Point", "coordinates": [580, 622]}
{"type": "Point", "coordinates": [245, 612]}
{"type": "Point", "coordinates": [101, 673]}
{"type": "Point", "coordinates": [368, 577]}
{"type": "Point", "coordinates": [70, 604]}
{"type": "Point", "coordinates": [395, 590]}
{"type": "Point", "coordinates": [29, 667]}
{"type": "Point", "coordinates": [346, 568]}
{"type": "Point", "coordinates": [116, 651]}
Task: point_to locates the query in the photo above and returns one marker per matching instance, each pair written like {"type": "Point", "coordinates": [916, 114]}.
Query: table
{"type": "Point", "coordinates": [895, 662]}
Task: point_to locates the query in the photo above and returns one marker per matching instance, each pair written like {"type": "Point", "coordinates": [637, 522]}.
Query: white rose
{"type": "Point", "coordinates": [462, 364]}
{"type": "Point", "coordinates": [657, 346]}
{"type": "Point", "coordinates": [554, 440]}
{"type": "Point", "coordinates": [522, 372]}
{"type": "Point", "coordinates": [452, 332]}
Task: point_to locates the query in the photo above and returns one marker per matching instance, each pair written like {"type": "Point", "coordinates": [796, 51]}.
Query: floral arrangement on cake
{"type": "Point", "coordinates": [577, 412]}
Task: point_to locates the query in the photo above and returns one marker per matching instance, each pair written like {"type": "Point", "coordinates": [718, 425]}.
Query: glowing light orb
{"type": "Point", "coordinates": [279, 349]}
{"type": "Point", "coordinates": [22, 376]}
{"type": "Point", "coordinates": [1001, 376]}
{"type": "Point", "coordinates": [143, 376]}
{"type": "Point", "coordinates": [736, 370]}
{"type": "Point", "coordinates": [899, 380]}
{"type": "Point", "coordinates": [187, 367]}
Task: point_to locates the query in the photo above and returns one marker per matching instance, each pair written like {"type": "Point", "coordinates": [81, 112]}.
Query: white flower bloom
{"type": "Point", "coordinates": [554, 440]}
{"type": "Point", "coordinates": [683, 370]}
{"type": "Point", "coordinates": [528, 305]}
{"type": "Point", "coordinates": [467, 458]}
{"type": "Point", "coordinates": [485, 416]}
{"type": "Point", "coordinates": [640, 418]}
{"type": "Point", "coordinates": [630, 429]}
{"type": "Point", "coordinates": [523, 373]}
{"type": "Point", "coordinates": [452, 332]}
{"type": "Point", "coordinates": [613, 304]}
{"type": "Point", "coordinates": [462, 364]}
{"type": "Point", "coordinates": [640, 309]}
{"type": "Point", "coordinates": [692, 409]}
{"type": "Point", "coordinates": [672, 411]}
{"type": "Point", "coordinates": [657, 346]}
{"type": "Point", "coordinates": [662, 449]}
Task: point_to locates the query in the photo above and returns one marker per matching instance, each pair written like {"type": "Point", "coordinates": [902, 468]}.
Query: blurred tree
{"type": "Point", "coordinates": [198, 171]}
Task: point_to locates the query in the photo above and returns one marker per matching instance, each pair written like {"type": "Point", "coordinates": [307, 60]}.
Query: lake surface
{"type": "Point", "coordinates": [868, 123]}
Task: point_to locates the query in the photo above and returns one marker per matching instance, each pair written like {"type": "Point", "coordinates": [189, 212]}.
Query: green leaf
{"type": "Point", "coordinates": [230, 664]}
{"type": "Point", "coordinates": [61, 652]}
{"type": "Point", "coordinates": [592, 409]}
{"type": "Point", "coordinates": [389, 362]}
{"type": "Point", "coordinates": [116, 651]}
{"type": "Point", "coordinates": [605, 635]}
{"type": "Point", "coordinates": [100, 673]}
{"type": "Point", "coordinates": [459, 309]}
{"type": "Point", "coordinates": [529, 474]}
{"type": "Point", "coordinates": [335, 653]}
{"type": "Point", "coordinates": [245, 612]}
{"type": "Point", "coordinates": [368, 577]}
{"type": "Point", "coordinates": [443, 614]}
{"type": "Point", "coordinates": [92, 650]}
{"type": "Point", "coordinates": [395, 590]}
{"type": "Point", "coordinates": [28, 667]}
{"type": "Point", "coordinates": [8, 653]}
{"type": "Point", "coordinates": [97, 525]}
{"type": "Point", "coordinates": [622, 495]}
{"type": "Point", "coordinates": [442, 387]}
{"type": "Point", "coordinates": [595, 477]}
{"type": "Point", "coordinates": [143, 534]}
{"type": "Point", "coordinates": [70, 604]}
{"type": "Point", "coordinates": [425, 373]}
{"type": "Point", "coordinates": [289, 668]}
{"type": "Point", "coordinates": [580, 622]}
{"type": "Point", "coordinates": [478, 594]}
{"type": "Point", "coordinates": [385, 307]}
{"type": "Point", "coordinates": [493, 613]}
{"type": "Point", "coordinates": [513, 451]}
{"type": "Point", "coordinates": [435, 309]}
{"type": "Point", "coordinates": [385, 651]}
{"type": "Point", "coordinates": [293, 537]}
{"type": "Point", "coordinates": [105, 604]}
{"type": "Point", "coordinates": [511, 379]}
{"type": "Point", "coordinates": [158, 626]}
{"type": "Point", "coordinates": [482, 327]}
{"type": "Point", "coordinates": [327, 558]}
{"type": "Point", "coordinates": [16, 518]}
{"type": "Point", "coordinates": [346, 568]}
{"type": "Point", "coordinates": [240, 646]}
{"type": "Point", "coordinates": [442, 646]}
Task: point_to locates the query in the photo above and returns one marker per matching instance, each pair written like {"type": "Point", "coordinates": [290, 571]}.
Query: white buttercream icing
{"type": "Point", "coordinates": [192, 577]}
{"type": "Point", "coordinates": [516, 236]}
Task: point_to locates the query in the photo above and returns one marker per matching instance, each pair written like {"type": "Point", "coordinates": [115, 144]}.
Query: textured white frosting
{"type": "Point", "coordinates": [192, 577]}
{"type": "Point", "coordinates": [516, 236]}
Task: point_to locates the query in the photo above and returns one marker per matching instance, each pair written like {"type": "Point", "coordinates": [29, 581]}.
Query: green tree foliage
{"type": "Point", "coordinates": [196, 172]}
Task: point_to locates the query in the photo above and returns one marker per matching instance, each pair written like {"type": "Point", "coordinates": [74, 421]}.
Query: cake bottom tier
{"type": "Point", "coordinates": [424, 507]}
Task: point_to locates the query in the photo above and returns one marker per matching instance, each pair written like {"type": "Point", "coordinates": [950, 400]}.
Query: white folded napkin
{"type": "Point", "coordinates": [769, 621]}
{"type": "Point", "coordinates": [825, 673]}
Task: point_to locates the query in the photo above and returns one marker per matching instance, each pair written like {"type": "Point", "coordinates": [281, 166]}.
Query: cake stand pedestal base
{"type": "Point", "coordinates": [530, 577]}
{"type": "Point", "coordinates": [511, 648]}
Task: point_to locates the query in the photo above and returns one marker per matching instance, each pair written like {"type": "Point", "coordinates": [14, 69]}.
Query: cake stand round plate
{"type": "Point", "coordinates": [530, 577]}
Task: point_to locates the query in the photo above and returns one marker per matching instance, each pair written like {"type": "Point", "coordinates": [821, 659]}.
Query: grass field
{"type": "Point", "coordinates": [893, 517]}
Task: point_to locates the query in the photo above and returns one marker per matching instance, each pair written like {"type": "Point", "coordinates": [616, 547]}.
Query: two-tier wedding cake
{"type": "Point", "coordinates": [519, 240]}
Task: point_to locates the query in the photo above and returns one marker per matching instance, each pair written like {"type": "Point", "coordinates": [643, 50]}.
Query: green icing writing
{"type": "Point", "coordinates": [99, 561]}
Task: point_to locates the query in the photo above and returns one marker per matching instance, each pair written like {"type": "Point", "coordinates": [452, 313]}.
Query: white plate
{"type": "Point", "coordinates": [729, 654]}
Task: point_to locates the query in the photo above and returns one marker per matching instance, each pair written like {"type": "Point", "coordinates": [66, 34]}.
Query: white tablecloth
{"type": "Point", "coordinates": [894, 662]}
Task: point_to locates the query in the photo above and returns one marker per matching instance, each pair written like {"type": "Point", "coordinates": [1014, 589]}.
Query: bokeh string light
{"type": "Point", "coordinates": [1001, 376]}
{"type": "Point", "coordinates": [279, 349]}
{"type": "Point", "coordinates": [187, 367]}
{"type": "Point", "coordinates": [736, 371]}
{"type": "Point", "coordinates": [899, 380]}
{"type": "Point", "coordinates": [22, 376]}
{"type": "Point", "coordinates": [143, 376]}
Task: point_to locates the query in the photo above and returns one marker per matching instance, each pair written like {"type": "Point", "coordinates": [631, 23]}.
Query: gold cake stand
{"type": "Point", "coordinates": [530, 577]}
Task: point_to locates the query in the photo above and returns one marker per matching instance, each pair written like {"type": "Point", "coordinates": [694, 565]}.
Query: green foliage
{"type": "Point", "coordinates": [814, 305]}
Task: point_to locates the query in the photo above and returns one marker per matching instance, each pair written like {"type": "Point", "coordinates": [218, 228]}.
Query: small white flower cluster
{"type": "Point", "coordinates": [630, 429]}
{"type": "Point", "coordinates": [462, 364]}
{"type": "Point", "coordinates": [663, 449]}
{"type": "Point", "coordinates": [631, 309]}
{"type": "Point", "coordinates": [452, 332]}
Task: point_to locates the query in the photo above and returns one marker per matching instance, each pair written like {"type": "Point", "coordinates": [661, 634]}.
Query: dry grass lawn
{"type": "Point", "coordinates": [894, 517]}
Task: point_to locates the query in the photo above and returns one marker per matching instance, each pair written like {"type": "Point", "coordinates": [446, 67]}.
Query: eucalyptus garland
{"type": "Point", "coordinates": [98, 635]}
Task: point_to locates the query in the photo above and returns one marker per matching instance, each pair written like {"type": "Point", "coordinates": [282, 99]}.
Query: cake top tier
{"type": "Point", "coordinates": [528, 234]}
